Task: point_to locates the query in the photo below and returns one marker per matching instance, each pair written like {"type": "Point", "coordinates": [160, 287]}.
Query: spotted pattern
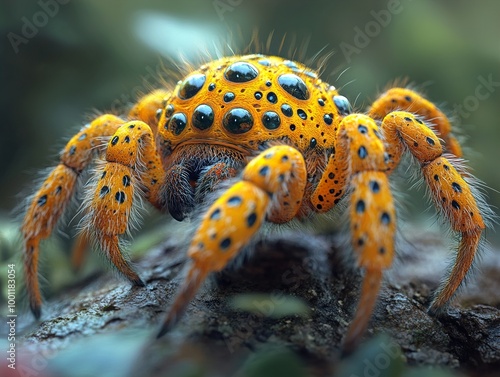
{"type": "Point", "coordinates": [362, 152]}
{"type": "Point", "coordinates": [294, 86]}
{"type": "Point", "coordinates": [251, 219]}
{"type": "Point", "coordinates": [168, 111]}
{"type": "Point", "coordinates": [456, 187]}
{"type": "Point", "coordinates": [271, 97]}
{"type": "Point", "coordinates": [246, 100]}
{"type": "Point", "coordinates": [177, 123]}
{"type": "Point", "coordinates": [120, 197]}
{"type": "Point", "coordinates": [343, 105]}
{"type": "Point", "coordinates": [42, 200]}
{"type": "Point", "coordinates": [385, 219]}
{"type": "Point", "coordinates": [216, 214]}
{"type": "Point", "coordinates": [126, 180]}
{"type": "Point", "coordinates": [238, 121]}
{"type": "Point", "coordinates": [374, 186]}
{"type": "Point", "coordinates": [302, 114]}
{"type": "Point", "coordinates": [225, 243]}
{"type": "Point", "coordinates": [240, 72]}
{"type": "Point", "coordinates": [104, 191]}
{"type": "Point", "coordinates": [360, 206]}
{"type": "Point", "coordinates": [452, 194]}
{"type": "Point", "coordinates": [321, 151]}
{"type": "Point", "coordinates": [191, 86]}
{"type": "Point", "coordinates": [287, 110]}
{"type": "Point", "coordinates": [234, 201]}
{"type": "Point", "coordinates": [228, 97]}
{"type": "Point", "coordinates": [271, 120]}
{"type": "Point", "coordinates": [203, 117]}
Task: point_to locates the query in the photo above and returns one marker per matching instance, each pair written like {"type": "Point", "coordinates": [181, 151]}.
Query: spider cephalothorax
{"type": "Point", "coordinates": [233, 107]}
{"type": "Point", "coordinates": [291, 147]}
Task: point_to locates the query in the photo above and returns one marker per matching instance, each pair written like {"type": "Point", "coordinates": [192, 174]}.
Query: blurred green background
{"type": "Point", "coordinates": [59, 63]}
{"type": "Point", "coordinates": [85, 55]}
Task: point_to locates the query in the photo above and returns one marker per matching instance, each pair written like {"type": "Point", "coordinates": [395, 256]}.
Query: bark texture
{"type": "Point", "coordinates": [308, 296]}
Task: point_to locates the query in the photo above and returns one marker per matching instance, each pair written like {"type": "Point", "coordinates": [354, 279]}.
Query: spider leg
{"type": "Point", "coordinates": [359, 167]}
{"type": "Point", "coordinates": [273, 180]}
{"type": "Point", "coordinates": [132, 170]}
{"type": "Point", "coordinates": [50, 201]}
{"type": "Point", "coordinates": [147, 109]}
{"type": "Point", "coordinates": [451, 194]}
{"type": "Point", "coordinates": [409, 100]}
{"type": "Point", "coordinates": [79, 250]}
{"type": "Point", "coordinates": [210, 179]}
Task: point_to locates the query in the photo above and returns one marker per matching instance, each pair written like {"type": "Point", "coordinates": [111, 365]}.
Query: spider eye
{"type": "Point", "coordinates": [294, 85]}
{"type": "Point", "coordinates": [177, 123]}
{"type": "Point", "coordinates": [203, 117]}
{"type": "Point", "coordinates": [191, 85]}
{"type": "Point", "coordinates": [241, 72]}
{"type": "Point", "coordinates": [343, 105]}
{"type": "Point", "coordinates": [237, 121]}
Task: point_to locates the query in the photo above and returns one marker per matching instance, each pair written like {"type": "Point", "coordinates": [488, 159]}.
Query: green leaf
{"type": "Point", "coordinates": [273, 362]}
{"type": "Point", "coordinates": [379, 357]}
{"type": "Point", "coordinates": [275, 305]}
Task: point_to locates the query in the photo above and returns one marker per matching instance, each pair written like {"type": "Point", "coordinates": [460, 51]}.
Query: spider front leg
{"type": "Point", "coordinates": [50, 201]}
{"type": "Point", "coordinates": [450, 191]}
{"type": "Point", "coordinates": [358, 168]}
{"type": "Point", "coordinates": [271, 184]}
{"type": "Point", "coordinates": [132, 170]}
{"type": "Point", "coordinates": [147, 109]}
{"type": "Point", "coordinates": [409, 100]}
{"type": "Point", "coordinates": [79, 250]}
{"type": "Point", "coordinates": [464, 208]}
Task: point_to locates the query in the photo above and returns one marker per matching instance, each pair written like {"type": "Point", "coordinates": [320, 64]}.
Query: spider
{"type": "Point", "coordinates": [288, 146]}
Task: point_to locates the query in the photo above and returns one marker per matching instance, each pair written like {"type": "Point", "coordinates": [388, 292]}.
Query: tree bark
{"type": "Point", "coordinates": [218, 339]}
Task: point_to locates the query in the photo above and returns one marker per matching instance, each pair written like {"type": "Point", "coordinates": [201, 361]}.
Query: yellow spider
{"type": "Point", "coordinates": [288, 144]}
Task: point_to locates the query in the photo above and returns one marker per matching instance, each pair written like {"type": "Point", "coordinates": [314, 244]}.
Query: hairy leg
{"type": "Point", "coordinates": [273, 178]}
{"type": "Point", "coordinates": [451, 193]}
{"type": "Point", "coordinates": [50, 201]}
{"type": "Point", "coordinates": [131, 171]}
{"type": "Point", "coordinates": [359, 168]}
